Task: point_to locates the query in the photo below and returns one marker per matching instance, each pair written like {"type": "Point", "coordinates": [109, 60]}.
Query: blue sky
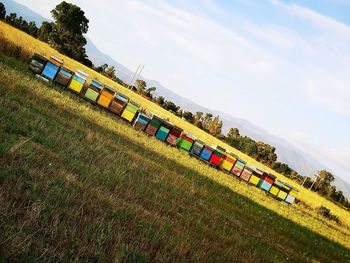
{"type": "Point", "coordinates": [282, 65]}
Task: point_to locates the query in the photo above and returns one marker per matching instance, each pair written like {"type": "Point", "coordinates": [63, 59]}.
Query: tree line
{"type": "Point", "coordinates": [66, 34]}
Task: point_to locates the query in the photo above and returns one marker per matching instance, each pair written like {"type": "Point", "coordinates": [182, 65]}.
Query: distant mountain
{"type": "Point", "coordinates": [21, 10]}
{"type": "Point", "coordinates": [287, 153]}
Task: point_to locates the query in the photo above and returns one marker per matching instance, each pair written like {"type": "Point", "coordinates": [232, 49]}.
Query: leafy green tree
{"type": "Point", "coordinates": [101, 69]}
{"type": "Point", "coordinates": [188, 116]}
{"type": "Point", "coordinates": [32, 29]}
{"type": "Point", "coordinates": [2, 11]}
{"type": "Point", "coordinates": [215, 126]}
{"type": "Point", "coordinates": [45, 30]}
{"type": "Point", "coordinates": [197, 119]}
{"type": "Point", "coordinates": [323, 182]}
{"type": "Point", "coordinates": [325, 177]}
{"type": "Point", "coordinates": [110, 72]}
{"type": "Point", "coordinates": [160, 100]}
{"type": "Point", "coordinates": [140, 85]}
{"type": "Point", "coordinates": [11, 19]}
{"type": "Point", "coordinates": [67, 35]}
{"type": "Point", "coordinates": [170, 106]}
{"type": "Point", "coordinates": [233, 133]}
{"type": "Point", "coordinates": [148, 92]}
{"type": "Point", "coordinates": [206, 120]}
{"type": "Point", "coordinates": [266, 153]}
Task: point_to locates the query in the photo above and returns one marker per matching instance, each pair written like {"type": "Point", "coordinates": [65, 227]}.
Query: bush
{"type": "Point", "coordinates": [325, 212]}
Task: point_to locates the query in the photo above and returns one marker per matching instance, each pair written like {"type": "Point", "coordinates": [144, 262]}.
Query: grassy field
{"type": "Point", "coordinates": [30, 45]}
{"type": "Point", "coordinates": [84, 186]}
{"type": "Point", "coordinates": [78, 184]}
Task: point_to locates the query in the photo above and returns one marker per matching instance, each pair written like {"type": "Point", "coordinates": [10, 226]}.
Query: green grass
{"type": "Point", "coordinates": [12, 39]}
{"type": "Point", "coordinates": [79, 184]}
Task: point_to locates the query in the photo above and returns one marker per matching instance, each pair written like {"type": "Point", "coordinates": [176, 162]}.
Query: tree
{"type": "Point", "coordinates": [102, 68]}
{"type": "Point", "coordinates": [11, 19]}
{"type": "Point", "coordinates": [140, 85]}
{"type": "Point", "coordinates": [32, 29]}
{"type": "Point", "coordinates": [215, 126]}
{"type": "Point", "coordinates": [326, 177]}
{"type": "Point", "coordinates": [45, 30]}
{"type": "Point", "coordinates": [233, 133]}
{"type": "Point", "coordinates": [149, 91]}
{"type": "Point", "coordinates": [266, 153]}
{"type": "Point", "coordinates": [170, 106]}
{"type": "Point", "coordinates": [188, 116]}
{"type": "Point", "coordinates": [110, 72]}
{"type": "Point", "coordinates": [197, 120]}
{"type": "Point", "coordinates": [2, 11]}
{"type": "Point", "coordinates": [69, 27]}
{"type": "Point", "coordinates": [160, 100]}
{"type": "Point", "coordinates": [323, 182]}
{"type": "Point", "coordinates": [206, 120]}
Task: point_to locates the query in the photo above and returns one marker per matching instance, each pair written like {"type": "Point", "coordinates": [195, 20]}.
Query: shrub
{"type": "Point", "coordinates": [324, 211]}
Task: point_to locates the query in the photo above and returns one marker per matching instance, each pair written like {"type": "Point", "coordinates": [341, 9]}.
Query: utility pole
{"type": "Point", "coordinates": [304, 181]}
{"type": "Point", "coordinates": [313, 182]}
{"type": "Point", "coordinates": [133, 77]}
{"type": "Point", "coordinates": [140, 71]}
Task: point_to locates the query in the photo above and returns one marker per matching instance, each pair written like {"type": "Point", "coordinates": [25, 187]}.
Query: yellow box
{"type": "Point", "coordinates": [128, 115]}
{"type": "Point", "coordinates": [254, 180]}
{"type": "Point", "coordinates": [282, 195]}
{"type": "Point", "coordinates": [104, 101]}
{"type": "Point", "coordinates": [274, 190]}
{"type": "Point", "coordinates": [76, 85]}
{"type": "Point", "coordinates": [226, 165]}
{"type": "Point", "coordinates": [293, 193]}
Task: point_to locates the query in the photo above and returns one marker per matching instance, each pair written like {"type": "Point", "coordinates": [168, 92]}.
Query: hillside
{"type": "Point", "coordinates": [85, 186]}
{"type": "Point", "coordinates": [287, 153]}
{"type": "Point", "coordinates": [31, 45]}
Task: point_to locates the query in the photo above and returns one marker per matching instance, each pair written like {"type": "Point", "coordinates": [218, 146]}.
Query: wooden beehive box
{"type": "Point", "coordinates": [37, 63]}
{"type": "Point", "coordinates": [174, 135]}
{"type": "Point", "coordinates": [64, 76]}
{"type": "Point", "coordinates": [238, 167]}
{"type": "Point", "coordinates": [106, 97]}
{"type": "Point", "coordinates": [215, 158]}
{"type": "Point", "coordinates": [185, 141]}
{"type": "Point", "coordinates": [141, 121]}
{"type": "Point", "coordinates": [78, 81]}
{"type": "Point", "coordinates": [118, 103]}
{"type": "Point", "coordinates": [228, 161]}
{"type": "Point", "coordinates": [153, 125]}
{"type": "Point", "coordinates": [51, 68]}
{"type": "Point", "coordinates": [246, 173]}
{"type": "Point", "coordinates": [94, 90]}
{"type": "Point", "coordinates": [130, 111]}
{"type": "Point", "coordinates": [197, 148]}
{"type": "Point", "coordinates": [206, 153]}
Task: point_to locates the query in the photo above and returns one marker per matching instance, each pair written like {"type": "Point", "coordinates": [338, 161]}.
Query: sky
{"type": "Point", "coordinates": [282, 65]}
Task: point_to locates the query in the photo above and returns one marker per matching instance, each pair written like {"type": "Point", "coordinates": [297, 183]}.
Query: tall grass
{"type": "Point", "coordinates": [79, 184]}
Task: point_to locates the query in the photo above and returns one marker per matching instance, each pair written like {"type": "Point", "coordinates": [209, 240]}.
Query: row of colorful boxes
{"type": "Point", "coordinates": [215, 156]}
{"type": "Point", "coordinates": [53, 70]}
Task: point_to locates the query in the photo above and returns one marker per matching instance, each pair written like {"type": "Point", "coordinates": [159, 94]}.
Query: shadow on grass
{"type": "Point", "coordinates": [226, 218]}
